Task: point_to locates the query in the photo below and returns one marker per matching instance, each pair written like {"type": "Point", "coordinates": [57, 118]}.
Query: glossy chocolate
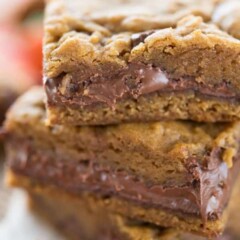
{"type": "Point", "coordinates": [90, 87]}
{"type": "Point", "coordinates": [204, 195]}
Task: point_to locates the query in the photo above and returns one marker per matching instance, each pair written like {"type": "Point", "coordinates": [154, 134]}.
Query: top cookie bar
{"type": "Point", "coordinates": [123, 61]}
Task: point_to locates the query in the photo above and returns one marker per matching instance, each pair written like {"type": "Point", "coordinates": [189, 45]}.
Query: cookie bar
{"type": "Point", "coordinates": [83, 217]}
{"type": "Point", "coordinates": [87, 217]}
{"type": "Point", "coordinates": [130, 65]}
{"type": "Point", "coordinates": [175, 174]}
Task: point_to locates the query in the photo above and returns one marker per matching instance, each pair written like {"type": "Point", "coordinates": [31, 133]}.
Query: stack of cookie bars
{"type": "Point", "coordinates": [136, 135]}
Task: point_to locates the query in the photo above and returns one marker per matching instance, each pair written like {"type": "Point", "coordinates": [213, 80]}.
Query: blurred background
{"type": "Point", "coordinates": [20, 68]}
{"type": "Point", "coordinates": [20, 47]}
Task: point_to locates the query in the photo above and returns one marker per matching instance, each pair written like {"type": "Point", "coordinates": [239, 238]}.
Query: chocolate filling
{"type": "Point", "coordinates": [90, 87]}
{"type": "Point", "coordinates": [206, 195]}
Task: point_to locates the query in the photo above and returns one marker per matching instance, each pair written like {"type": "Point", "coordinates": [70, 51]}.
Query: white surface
{"type": "Point", "coordinates": [20, 224]}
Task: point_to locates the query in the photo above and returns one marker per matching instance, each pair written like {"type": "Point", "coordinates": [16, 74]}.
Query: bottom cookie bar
{"type": "Point", "coordinates": [84, 217]}
{"type": "Point", "coordinates": [173, 174]}
{"type": "Point", "coordinates": [87, 216]}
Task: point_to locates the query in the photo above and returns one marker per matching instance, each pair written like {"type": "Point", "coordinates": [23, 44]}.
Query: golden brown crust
{"type": "Point", "coordinates": [130, 15]}
{"type": "Point", "coordinates": [95, 46]}
{"type": "Point", "coordinates": [159, 152]}
{"type": "Point", "coordinates": [149, 146]}
{"type": "Point", "coordinates": [119, 207]}
{"type": "Point", "coordinates": [157, 107]}
{"type": "Point", "coordinates": [85, 41]}
{"type": "Point", "coordinates": [95, 209]}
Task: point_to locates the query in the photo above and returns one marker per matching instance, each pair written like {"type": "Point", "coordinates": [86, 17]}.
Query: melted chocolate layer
{"type": "Point", "coordinates": [206, 195]}
{"type": "Point", "coordinates": [90, 87]}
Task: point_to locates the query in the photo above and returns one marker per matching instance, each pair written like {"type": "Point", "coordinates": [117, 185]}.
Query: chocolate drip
{"type": "Point", "coordinates": [205, 194]}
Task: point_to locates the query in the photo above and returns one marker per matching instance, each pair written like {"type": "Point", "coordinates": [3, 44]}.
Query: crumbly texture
{"type": "Point", "coordinates": [81, 44]}
{"type": "Point", "coordinates": [124, 16]}
{"type": "Point", "coordinates": [91, 221]}
{"type": "Point", "coordinates": [186, 50]}
{"type": "Point", "coordinates": [141, 148]}
{"type": "Point", "coordinates": [89, 217]}
{"type": "Point", "coordinates": [118, 199]}
{"type": "Point", "coordinates": [74, 41]}
{"type": "Point", "coordinates": [157, 107]}
{"type": "Point", "coordinates": [156, 154]}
